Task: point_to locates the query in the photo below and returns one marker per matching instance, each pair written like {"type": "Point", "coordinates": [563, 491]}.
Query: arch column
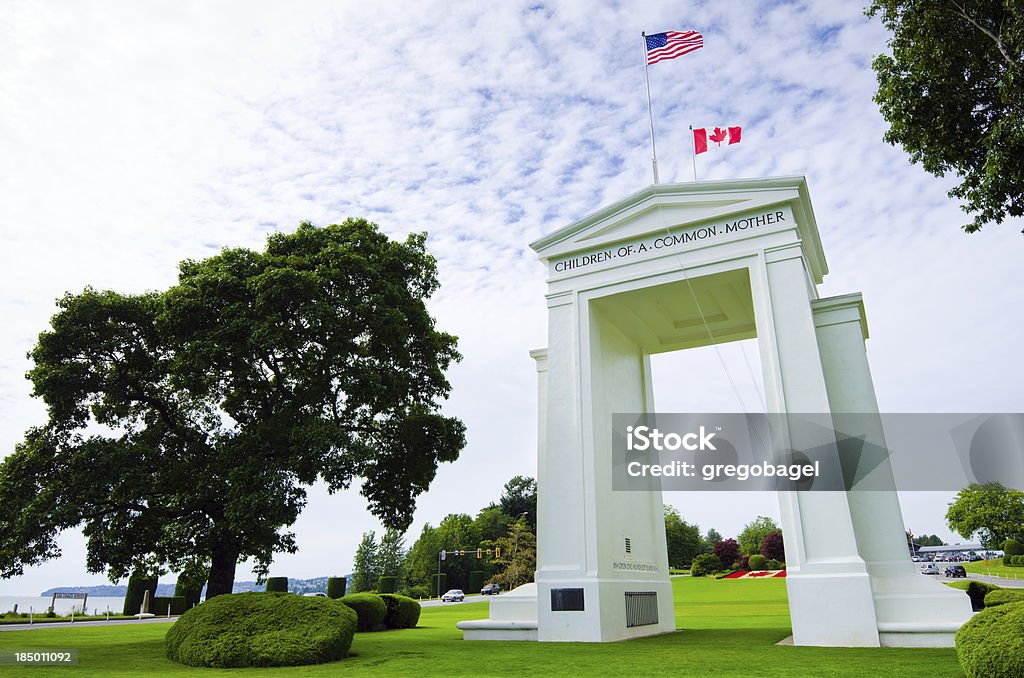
{"type": "Point", "coordinates": [911, 610]}
{"type": "Point", "coordinates": [826, 578]}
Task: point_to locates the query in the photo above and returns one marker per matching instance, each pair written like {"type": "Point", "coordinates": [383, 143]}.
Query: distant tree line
{"type": "Point", "coordinates": [502, 534]}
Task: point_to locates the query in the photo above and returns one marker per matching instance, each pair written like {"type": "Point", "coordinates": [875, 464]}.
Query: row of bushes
{"type": "Point", "coordinates": [386, 610]}
{"type": "Point", "coordinates": [375, 611]}
{"type": "Point", "coordinates": [278, 629]}
{"type": "Point", "coordinates": [708, 563]}
{"type": "Point", "coordinates": [1013, 561]}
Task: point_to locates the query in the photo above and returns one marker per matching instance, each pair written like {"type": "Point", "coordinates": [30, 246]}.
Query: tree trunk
{"type": "Point", "coordinates": [222, 571]}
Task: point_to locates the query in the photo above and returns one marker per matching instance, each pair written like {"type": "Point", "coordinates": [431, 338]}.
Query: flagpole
{"type": "Point", "coordinates": [650, 112]}
{"type": "Point", "coordinates": [693, 149]}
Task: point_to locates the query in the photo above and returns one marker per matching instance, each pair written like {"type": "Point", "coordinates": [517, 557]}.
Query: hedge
{"type": "Point", "coordinates": [369, 608]}
{"type": "Point", "coordinates": [402, 612]}
{"type": "Point", "coordinates": [387, 584]}
{"type": "Point", "coordinates": [991, 643]}
{"type": "Point", "coordinates": [476, 581]}
{"type": "Point", "coordinates": [1012, 547]}
{"type": "Point", "coordinates": [277, 585]}
{"type": "Point", "coordinates": [977, 590]}
{"type": "Point", "coordinates": [177, 604]}
{"type": "Point", "coordinates": [137, 587]}
{"type": "Point", "coordinates": [336, 587]}
{"type": "Point", "coordinates": [705, 564]}
{"type": "Point", "coordinates": [192, 592]}
{"type": "Point", "coordinates": [440, 582]}
{"type": "Point", "coordinates": [1004, 596]}
{"type": "Point", "coordinates": [261, 629]}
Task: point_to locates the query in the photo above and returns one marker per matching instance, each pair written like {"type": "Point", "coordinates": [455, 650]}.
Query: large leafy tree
{"type": "Point", "coordinates": [184, 426]}
{"type": "Point", "coordinates": [366, 565]}
{"type": "Point", "coordinates": [682, 539]}
{"type": "Point", "coordinates": [754, 533]}
{"type": "Point", "coordinates": [953, 94]}
{"type": "Point", "coordinates": [519, 499]}
{"type": "Point", "coordinates": [517, 563]}
{"type": "Point", "coordinates": [990, 512]}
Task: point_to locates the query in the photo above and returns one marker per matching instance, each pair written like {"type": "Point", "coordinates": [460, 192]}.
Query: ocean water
{"type": "Point", "coordinates": [39, 604]}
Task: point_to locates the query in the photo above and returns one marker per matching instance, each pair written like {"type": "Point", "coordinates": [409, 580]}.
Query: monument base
{"type": "Point", "coordinates": [513, 616]}
{"type": "Point", "coordinates": [915, 610]}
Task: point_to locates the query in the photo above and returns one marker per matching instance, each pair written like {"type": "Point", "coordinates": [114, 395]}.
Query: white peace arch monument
{"type": "Point", "coordinates": [672, 267]}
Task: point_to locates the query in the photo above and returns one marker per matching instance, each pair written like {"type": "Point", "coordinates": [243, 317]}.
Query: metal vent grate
{"type": "Point", "coordinates": [629, 546]}
{"type": "Point", "coordinates": [641, 608]}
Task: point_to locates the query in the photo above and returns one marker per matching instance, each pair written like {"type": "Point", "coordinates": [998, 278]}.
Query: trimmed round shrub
{"type": "Point", "coordinates": [1004, 596]}
{"type": "Point", "coordinates": [705, 564]}
{"type": "Point", "coordinates": [1012, 547]}
{"type": "Point", "coordinates": [277, 585]}
{"type": "Point", "coordinates": [1017, 561]}
{"type": "Point", "coordinates": [387, 584]}
{"type": "Point", "coordinates": [261, 629]}
{"type": "Point", "coordinates": [415, 592]}
{"type": "Point", "coordinates": [403, 612]}
{"type": "Point", "coordinates": [774, 565]}
{"type": "Point", "coordinates": [991, 643]}
{"type": "Point", "coordinates": [137, 587]}
{"type": "Point", "coordinates": [977, 590]}
{"type": "Point", "coordinates": [336, 587]}
{"type": "Point", "coordinates": [757, 562]}
{"type": "Point", "coordinates": [369, 607]}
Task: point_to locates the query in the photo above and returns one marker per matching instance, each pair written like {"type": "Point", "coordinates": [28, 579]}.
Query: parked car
{"type": "Point", "coordinates": [453, 596]}
{"type": "Point", "coordinates": [929, 568]}
{"type": "Point", "coordinates": [315, 595]}
{"type": "Point", "coordinates": [490, 590]}
{"type": "Point", "coordinates": [956, 571]}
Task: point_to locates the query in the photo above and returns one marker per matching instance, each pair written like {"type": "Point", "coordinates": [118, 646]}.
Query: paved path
{"type": "Point", "coordinates": [64, 625]}
{"type": "Point", "coordinates": [998, 581]}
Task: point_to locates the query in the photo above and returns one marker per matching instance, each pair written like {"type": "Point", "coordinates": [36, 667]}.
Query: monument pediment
{"type": "Point", "coordinates": [678, 207]}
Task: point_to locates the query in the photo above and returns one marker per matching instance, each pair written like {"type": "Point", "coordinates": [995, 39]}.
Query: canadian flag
{"type": "Point", "coordinates": [707, 138]}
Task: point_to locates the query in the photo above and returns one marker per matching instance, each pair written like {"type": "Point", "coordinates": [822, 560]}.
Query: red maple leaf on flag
{"type": "Point", "coordinates": [719, 135]}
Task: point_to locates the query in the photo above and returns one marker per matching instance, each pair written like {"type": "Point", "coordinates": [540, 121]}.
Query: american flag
{"type": "Point", "coordinates": [671, 44]}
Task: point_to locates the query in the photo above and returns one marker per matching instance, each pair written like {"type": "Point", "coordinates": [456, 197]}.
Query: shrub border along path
{"type": "Point", "coordinates": [729, 629]}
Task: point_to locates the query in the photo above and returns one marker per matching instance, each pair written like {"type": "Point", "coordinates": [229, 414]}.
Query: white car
{"type": "Point", "coordinates": [453, 596]}
{"type": "Point", "coordinates": [315, 595]}
{"type": "Point", "coordinates": [929, 568]}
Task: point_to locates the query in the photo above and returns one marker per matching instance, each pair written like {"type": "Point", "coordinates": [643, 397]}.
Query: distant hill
{"type": "Point", "coordinates": [314, 585]}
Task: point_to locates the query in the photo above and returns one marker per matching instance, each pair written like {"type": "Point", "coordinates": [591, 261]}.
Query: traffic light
{"type": "Point", "coordinates": [479, 553]}
{"type": "Point", "coordinates": [497, 552]}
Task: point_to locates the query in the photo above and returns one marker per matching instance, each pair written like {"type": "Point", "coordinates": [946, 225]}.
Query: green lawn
{"type": "Point", "coordinates": [995, 568]}
{"type": "Point", "coordinates": [729, 629]}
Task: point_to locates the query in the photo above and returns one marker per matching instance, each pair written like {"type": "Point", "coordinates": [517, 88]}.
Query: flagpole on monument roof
{"type": "Point", "coordinates": [693, 149]}
{"type": "Point", "coordinates": [650, 112]}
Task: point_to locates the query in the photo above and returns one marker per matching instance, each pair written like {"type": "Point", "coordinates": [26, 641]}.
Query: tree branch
{"type": "Point", "coordinates": [997, 39]}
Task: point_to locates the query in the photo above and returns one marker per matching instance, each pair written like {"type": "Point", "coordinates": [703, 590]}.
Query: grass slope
{"type": "Point", "coordinates": [994, 567]}
{"type": "Point", "coordinates": [729, 629]}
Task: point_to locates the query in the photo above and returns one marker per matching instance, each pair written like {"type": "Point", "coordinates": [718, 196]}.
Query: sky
{"type": "Point", "coordinates": [136, 135]}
